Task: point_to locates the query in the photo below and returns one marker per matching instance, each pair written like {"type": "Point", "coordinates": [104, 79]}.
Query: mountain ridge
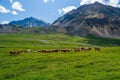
{"type": "Point", "coordinates": [30, 22]}
{"type": "Point", "coordinates": [96, 19]}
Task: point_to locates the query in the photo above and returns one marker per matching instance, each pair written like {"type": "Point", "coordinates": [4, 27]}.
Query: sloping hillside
{"type": "Point", "coordinates": [96, 19]}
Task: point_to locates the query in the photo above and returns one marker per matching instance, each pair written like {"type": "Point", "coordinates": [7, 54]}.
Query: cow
{"type": "Point", "coordinates": [55, 50]}
{"type": "Point", "coordinates": [15, 52]}
{"type": "Point", "coordinates": [97, 49]}
{"type": "Point", "coordinates": [39, 51]}
{"type": "Point", "coordinates": [66, 50]}
{"type": "Point", "coordinates": [12, 52]}
{"type": "Point", "coordinates": [46, 51]}
{"type": "Point", "coordinates": [79, 49]}
{"type": "Point", "coordinates": [82, 49]}
{"type": "Point", "coordinates": [87, 49]}
{"type": "Point", "coordinates": [27, 51]}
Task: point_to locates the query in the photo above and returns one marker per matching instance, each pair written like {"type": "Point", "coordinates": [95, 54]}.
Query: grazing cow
{"type": "Point", "coordinates": [66, 50]}
{"type": "Point", "coordinates": [43, 51]}
{"type": "Point", "coordinates": [87, 49]}
{"type": "Point", "coordinates": [82, 49]}
{"type": "Point", "coordinates": [15, 52]}
{"type": "Point", "coordinates": [97, 49]}
{"type": "Point", "coordinates": [39, 51]}
{"type": "Point", "coordinates": [79, 49]}
{"type": "Point", "coordinates": [12, 52]}
{"type": "Point", "coordinates": [55, 50]}
{"type": "Point", "coordinates": [46, 51]}
{"type": "Point", "coordinates": [19, 52]}
{"type": "Point", "coordinates": [27, 51]}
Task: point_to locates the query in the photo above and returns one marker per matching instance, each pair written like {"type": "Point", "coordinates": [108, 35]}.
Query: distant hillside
{"type": "Point", "coordinates": [6, 28]}
{"type": "Point", "coordinates": [96, 19]}
{"type": "Point", "coordinates": [30, 22]}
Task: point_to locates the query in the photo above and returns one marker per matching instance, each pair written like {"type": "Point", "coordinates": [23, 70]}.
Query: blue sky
{"type": "Point", "coordinates": [37, 8]}
{"type": "Point", "coordinates": [47, 10]}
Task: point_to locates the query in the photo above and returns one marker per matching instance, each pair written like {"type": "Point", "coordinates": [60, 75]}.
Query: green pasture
{"type": "Point", "coordinates": [85, 65]}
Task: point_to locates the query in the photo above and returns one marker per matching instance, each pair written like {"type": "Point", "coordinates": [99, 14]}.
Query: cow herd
{"type": "Point", "coordinates": [65, 50]}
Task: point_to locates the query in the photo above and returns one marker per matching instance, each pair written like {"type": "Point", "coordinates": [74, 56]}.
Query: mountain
{"type": "Point", "coordinates": [91, 19]}
{"type": "Point", "coordinates": [30, 22]}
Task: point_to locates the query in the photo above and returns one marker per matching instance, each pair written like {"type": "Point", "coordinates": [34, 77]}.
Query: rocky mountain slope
{"type": "Point", "coordinates": [96, 19]}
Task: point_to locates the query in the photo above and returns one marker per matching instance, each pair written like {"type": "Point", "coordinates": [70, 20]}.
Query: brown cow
{"type": "Point", "coordinates": [82, 48]}
{"type": "Point", "coordinates": [97, 49]}
{"type": "Point", "coordinates": [12, 52]}
{"type": "Point", "coordinates": [79, 49]}
{"type": "Point", "coordinates": [39, 51]}
{"type": "Point", "coordinates": [46, 51]}
{"type": "Point", "coordinates": [55, 50]}
{"type": "Point", "coordinates": [87, 49]}
{"type": "Point", "coordinates": [27, 51]}
{"type": "Point", "coordinates": [65, 50]}
{"type": "Point", "coordinates": [15, 52]}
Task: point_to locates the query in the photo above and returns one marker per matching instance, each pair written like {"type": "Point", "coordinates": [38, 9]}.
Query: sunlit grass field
{"type": "Point", "coordinates": [85, 65]}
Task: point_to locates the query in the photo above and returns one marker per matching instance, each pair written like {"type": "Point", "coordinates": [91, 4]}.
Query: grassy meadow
{"type": "Point", "coordinates": [85, 65]}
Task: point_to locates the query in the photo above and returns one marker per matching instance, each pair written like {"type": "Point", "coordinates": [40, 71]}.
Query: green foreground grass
{"type": "Point", "coordinates": [86, 65]}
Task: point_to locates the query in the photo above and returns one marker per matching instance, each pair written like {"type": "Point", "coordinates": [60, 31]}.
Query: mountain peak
{"type": "Point", "coordinates": [97, 3]}
{"type": "Point", "coordinates": [30, 22]}
{"type": "Point", "coordinates": [31, 18]}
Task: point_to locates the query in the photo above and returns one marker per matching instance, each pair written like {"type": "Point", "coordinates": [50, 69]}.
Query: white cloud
{"type": "Point", "coordinates": [60, 11]}
{"type": "Point", "coordinates": [4, 10]}
{"type": "Point", "coordinates": [18, 6]}
{"type": "Point", "coordinates": [5, 22]}
{"type": "Point", "coordinates": [90, 1]}
{"type": "Point", "coordinates": [66, 9]}
{"type": "Point", "coordinates": [114, 3]}
{"type": "Point", "coordinates": [14, 13]}
{"type": "Point", "coordinates": [46, 1]}
{"type": "Point", "coordinates": [11, 1]}
{"type": "Point", "coordinates": [53, 0]}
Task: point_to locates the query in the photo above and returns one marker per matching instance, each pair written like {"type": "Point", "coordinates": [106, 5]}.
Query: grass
{"type": "Point", "coordinates": [86, 65]}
